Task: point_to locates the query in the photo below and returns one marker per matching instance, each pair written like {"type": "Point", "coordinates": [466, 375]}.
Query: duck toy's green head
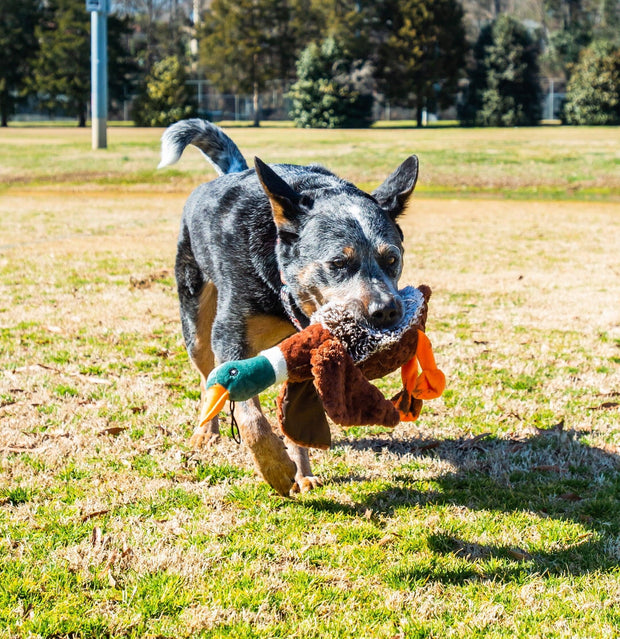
{"type": "Point", "coordinates": [238, 381]}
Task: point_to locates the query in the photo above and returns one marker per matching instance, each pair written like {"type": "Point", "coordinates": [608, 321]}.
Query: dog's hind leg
{"type": "Point", "coordinates": [304, 479]}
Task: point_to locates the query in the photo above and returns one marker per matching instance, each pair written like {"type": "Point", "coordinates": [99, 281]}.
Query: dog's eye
{"type": "Point", "coordinates": [390, 261]}
{"type": "Point", "coordinates": [338, 263]}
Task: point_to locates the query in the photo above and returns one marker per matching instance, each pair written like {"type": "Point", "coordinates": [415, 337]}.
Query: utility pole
{"type": "Point", "coordinates": [551, 100]}
{"type": "Point", "coordinates": [99, 70]}
{"type": "Point", "coordinates": [196, 10]}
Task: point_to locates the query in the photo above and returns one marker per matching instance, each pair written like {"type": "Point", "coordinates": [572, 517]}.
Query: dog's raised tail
{"type": "Point", "coordinates": [212, 142]}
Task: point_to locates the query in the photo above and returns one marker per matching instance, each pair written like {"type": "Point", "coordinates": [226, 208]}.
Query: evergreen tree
{"type": "Point", "coordinates": [503, 89]}
{"type": "Point", "coordinates": [247, 43]}
{"type": "Point", "coordinates": [329, 92]}
{"type": "Point", "coordinates": [593, 93]}
{"type": "Point", "coordinates": [62, 68]}
{"type": "Point", "coordinates": [18, 45]}
{"type": "Point", "coordinates": [355, 25]}
{"type": "Point", "coordinates": [61, 71]}
{"type": "Point", "coordinates": [160, 28]}
{"type": "Point", "coordinates": [165, 98]}
{"type": "Point", "coordinates": [416, 48]}
{"type": "Point", "coordinates": [421, 54]}
{"type": "Point", "coordinates": [123, 69]}
{"type": "Point", "coordinates": [578, 23]}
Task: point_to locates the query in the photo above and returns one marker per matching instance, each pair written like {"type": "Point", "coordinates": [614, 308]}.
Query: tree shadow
{"type": "Point", "coordinates": [547, 475]}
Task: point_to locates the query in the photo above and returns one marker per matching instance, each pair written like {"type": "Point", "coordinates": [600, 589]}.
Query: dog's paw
{"type": "Point", "coordinates": [202, 439]}
{"type": "Point", "coordinates": [274, 464]}
{"type": "Point", "coordinates": [306, 484]}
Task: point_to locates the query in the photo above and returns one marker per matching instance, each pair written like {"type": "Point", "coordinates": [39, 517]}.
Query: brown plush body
{"type": "Point", "coordinates": [329, 366]}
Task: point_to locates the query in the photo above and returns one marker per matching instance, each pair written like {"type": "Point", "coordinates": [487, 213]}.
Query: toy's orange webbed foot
{"type": "Point", "coordinates": [428, 384]}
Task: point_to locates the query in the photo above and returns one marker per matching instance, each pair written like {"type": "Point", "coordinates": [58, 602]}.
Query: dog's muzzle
{"type": "Point", "coordinates": [385, 314]}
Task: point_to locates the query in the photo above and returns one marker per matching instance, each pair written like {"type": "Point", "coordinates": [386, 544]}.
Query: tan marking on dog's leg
{"type": "Point", "coordinates": [269, 452]}
{"type": "Point", "coordinates": [207, 306]}
{"type": "Point", "coordinates": [204, 359]}
{"type": "Point", "coordinates": [304, 479]}
{"type": "Point", "coordinates": [265, 331]}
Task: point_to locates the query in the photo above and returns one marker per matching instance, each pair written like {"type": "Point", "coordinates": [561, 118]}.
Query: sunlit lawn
{"type": "Point", "coordinates": [495, 515]}
{"type": "Point", "coordinates": [544, 162]}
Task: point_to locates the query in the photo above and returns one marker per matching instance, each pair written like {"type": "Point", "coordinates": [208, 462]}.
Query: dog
{"type": "Point", "coordinates": [260, 250]}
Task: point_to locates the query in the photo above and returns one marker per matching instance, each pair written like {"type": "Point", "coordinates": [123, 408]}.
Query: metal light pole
{"type": "Point", "coordinates": [99, 70]}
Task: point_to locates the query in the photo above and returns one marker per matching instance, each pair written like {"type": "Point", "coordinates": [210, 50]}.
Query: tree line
{"type": "Point", "coordinates": [333, 58]}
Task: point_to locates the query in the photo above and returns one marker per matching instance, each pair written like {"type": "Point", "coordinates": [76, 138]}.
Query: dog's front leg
{"type": "Point", "coordinates": [304, 479]}
{"type": "Point", "coordinates": [206, 433]}
{"type": "Point", "coordinates": [268, 450]}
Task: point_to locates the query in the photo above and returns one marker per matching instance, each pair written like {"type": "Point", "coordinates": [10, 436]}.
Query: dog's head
{"type": "Point", "coordinates": [339, 243]}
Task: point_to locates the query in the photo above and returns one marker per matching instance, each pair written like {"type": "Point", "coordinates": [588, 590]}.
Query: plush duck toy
{"type": "Point", "coordinates": [327, 367]}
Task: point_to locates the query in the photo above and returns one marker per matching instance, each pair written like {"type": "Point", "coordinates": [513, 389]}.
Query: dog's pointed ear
{"type": "Point", "coordinates": [285, 201]}
{"type": "Point", "coordinates": [394, 193]}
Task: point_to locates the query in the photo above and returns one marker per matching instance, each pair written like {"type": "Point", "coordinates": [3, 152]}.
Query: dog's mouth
{"type": "Point", "coordinates": [349, 322]}
{"type": "Point", "coordinates": [380, 310]}
{"type": "Point", "coordinates": [379, 314]}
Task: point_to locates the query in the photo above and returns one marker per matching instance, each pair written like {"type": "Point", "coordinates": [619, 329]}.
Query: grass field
{"type": "Point", "coordinates": [497, 514]}
{"type": "Point", "coordinates": [542, 163]}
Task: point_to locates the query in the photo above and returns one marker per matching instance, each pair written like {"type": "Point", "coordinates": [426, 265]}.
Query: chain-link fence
{"type": "Point", "coordinates": [275, 105]}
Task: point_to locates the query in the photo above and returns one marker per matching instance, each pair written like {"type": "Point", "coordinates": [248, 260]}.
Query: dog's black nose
{"type": "Point", "coordinates": [385, 315]}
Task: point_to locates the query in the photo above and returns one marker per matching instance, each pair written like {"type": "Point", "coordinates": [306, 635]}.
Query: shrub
{"type": "Point", "coordinates": [165, 98]}
{"type": "Point", "coordinates": [593, 91]}
{"type": "Point", "coordinates": [331, 91]}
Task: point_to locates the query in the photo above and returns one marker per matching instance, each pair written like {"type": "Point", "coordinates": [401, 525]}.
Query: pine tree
{"type": "Point", "coordinates": [18, 45]}
{"type": "Point", "coordinates": [593, 93]}
{"type": "Point", "coordinates": [420, 50]}
{"type": "Point", "coordinates": [62, 68]}
{"type": "Point", "coordinates": [576, 24]}
{"type": "Point", "coordinates": [123, 69]}
{"type": "Point", "coordinates": [503, 89]}
{"type": "Point", "coordinates": [329, 91]}
{"type": "Point", "coordinates": [247, 43]}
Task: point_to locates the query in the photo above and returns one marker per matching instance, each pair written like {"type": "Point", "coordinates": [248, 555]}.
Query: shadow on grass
{"type": "Point", "coordinates": [551, 475]}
